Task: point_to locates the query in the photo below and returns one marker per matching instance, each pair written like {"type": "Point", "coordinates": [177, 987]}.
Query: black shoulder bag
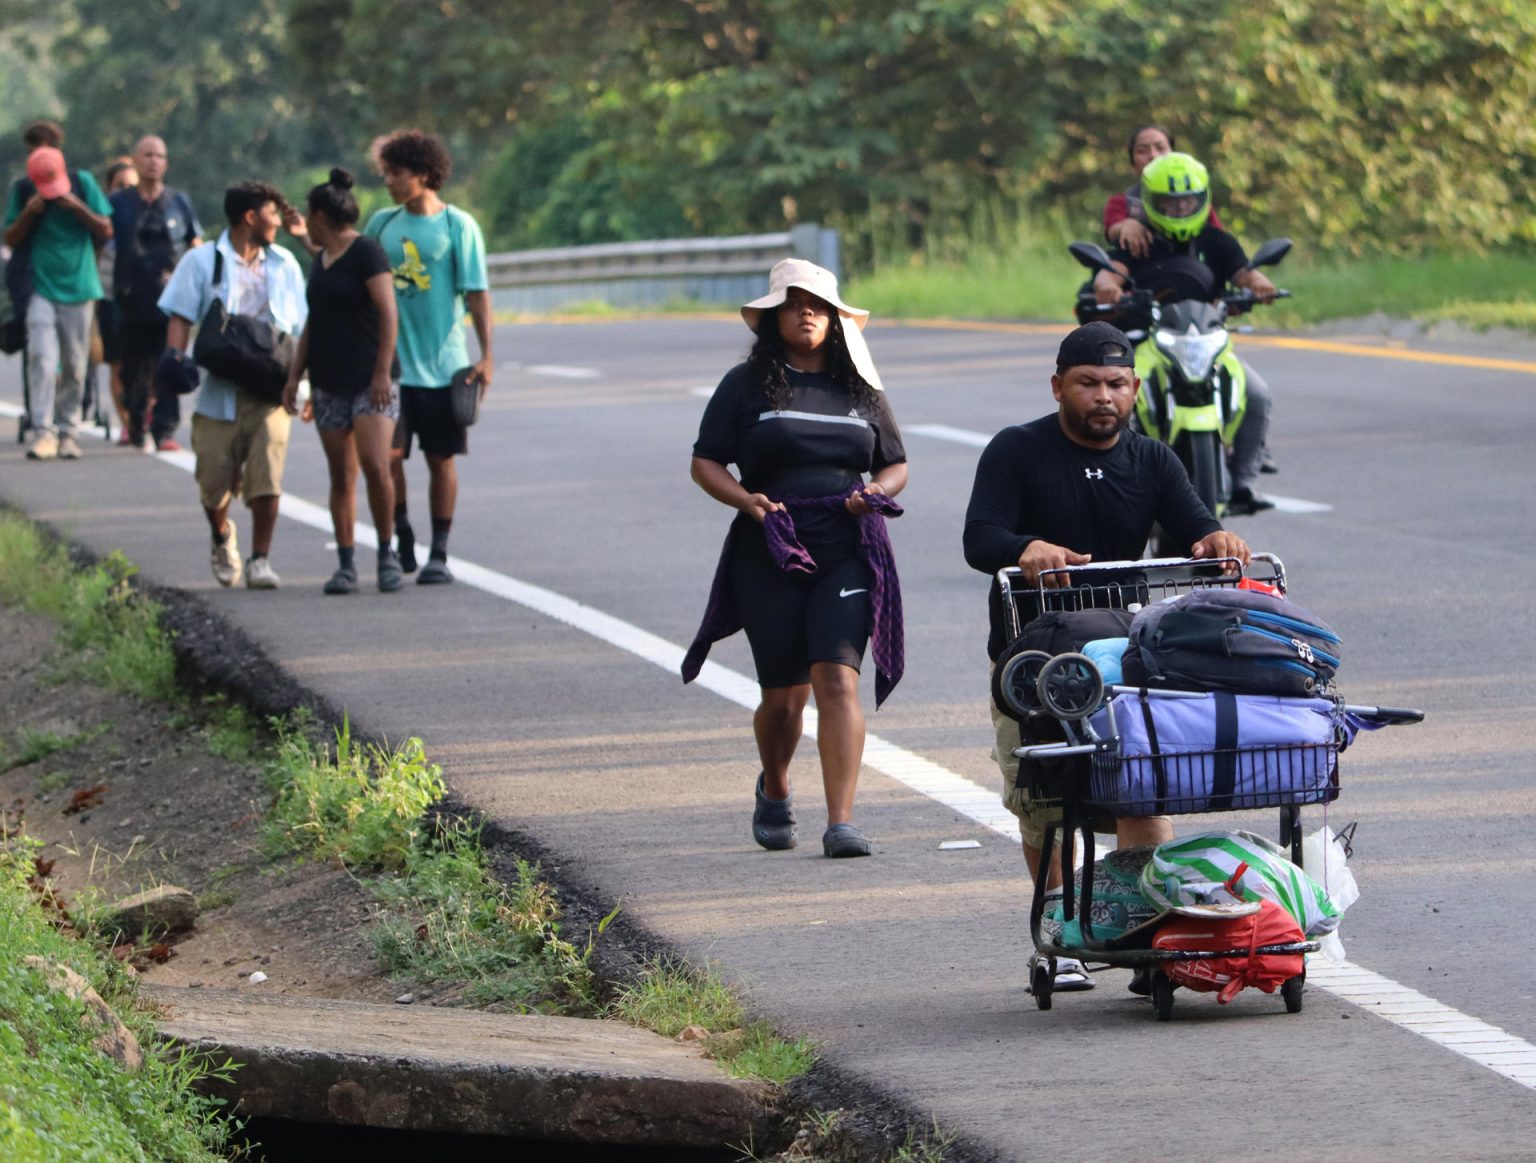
{"type": "Point", "coordinates": [252, 354]}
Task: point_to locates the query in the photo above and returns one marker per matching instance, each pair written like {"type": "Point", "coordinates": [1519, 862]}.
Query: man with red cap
{"type": "Point", "coordinates": [55, 219]}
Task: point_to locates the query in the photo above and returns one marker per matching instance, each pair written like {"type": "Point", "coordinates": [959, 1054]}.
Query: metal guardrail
{"type": "Point", "coordinates": [724, 271]}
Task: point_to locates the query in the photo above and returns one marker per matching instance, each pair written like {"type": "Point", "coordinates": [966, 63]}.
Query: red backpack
{"type": "Point", "coordinates": [1269, 924]}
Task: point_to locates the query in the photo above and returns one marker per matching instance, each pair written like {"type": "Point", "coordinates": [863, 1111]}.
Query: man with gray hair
{"type": "Point", "coordinates": [154, 226]}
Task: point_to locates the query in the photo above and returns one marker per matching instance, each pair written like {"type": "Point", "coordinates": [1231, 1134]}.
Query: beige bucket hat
{"type": "Point", "coordinates": [798, 272]}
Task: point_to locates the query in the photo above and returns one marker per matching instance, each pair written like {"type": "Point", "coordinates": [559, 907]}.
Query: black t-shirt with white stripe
{"type": "Point", "coordinates": [819, 444]}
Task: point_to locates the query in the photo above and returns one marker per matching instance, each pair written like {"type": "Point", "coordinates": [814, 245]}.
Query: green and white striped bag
{"type": "Point", "coordinates": [1196, 870]}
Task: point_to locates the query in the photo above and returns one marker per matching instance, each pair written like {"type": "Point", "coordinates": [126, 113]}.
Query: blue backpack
{"type": "Point", "coordinates": [1242, 641]}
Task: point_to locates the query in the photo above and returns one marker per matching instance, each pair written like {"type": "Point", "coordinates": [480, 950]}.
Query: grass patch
{"type": "Point", "coordinates": [61, 1098]}
{"type": "Point", "coordinates": [33, 746]}
{"type": "Point", "coordinates": [233, 733]}
{"type": "Point", "coordinates": [446, 919]}
{"type": "Point", "coordinates": [109, 632]}
{"type": "Point", "coordinates": [361, 805]}
{"type": "Point", "coordinates": [669, 998]}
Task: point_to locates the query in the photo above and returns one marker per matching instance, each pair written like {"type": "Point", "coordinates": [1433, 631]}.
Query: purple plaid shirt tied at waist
{"type": "Point", "coordinates": [886, 636]}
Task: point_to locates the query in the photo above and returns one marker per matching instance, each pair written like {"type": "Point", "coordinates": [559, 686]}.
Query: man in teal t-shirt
{"type": "Point", "coordinates": [53, 222]}
{"type": "Point", "coordinates": [437, 256]}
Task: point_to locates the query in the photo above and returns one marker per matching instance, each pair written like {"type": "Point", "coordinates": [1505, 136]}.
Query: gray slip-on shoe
{"type": "Point", "coordinates": [841, 840]}
{"type": "Point", "coordinates": [773, 821]}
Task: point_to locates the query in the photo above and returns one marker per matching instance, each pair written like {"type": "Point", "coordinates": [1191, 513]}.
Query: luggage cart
{"type": "Point", "coordinates": [1072, 755]}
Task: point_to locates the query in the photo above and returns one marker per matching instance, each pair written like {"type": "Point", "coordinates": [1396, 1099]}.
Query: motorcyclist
{"type": "Point", "coordinates": [1191, 258]}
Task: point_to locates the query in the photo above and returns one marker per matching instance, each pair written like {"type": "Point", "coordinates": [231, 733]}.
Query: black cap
{"type": "Point", "coordinates": [1096, 344]}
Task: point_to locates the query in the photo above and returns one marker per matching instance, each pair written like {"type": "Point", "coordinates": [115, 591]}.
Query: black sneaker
{"type": "Point", "coordinates": [405, 547]}
{"type": "Point", "coordinates": [773, 821]}
{"type": "Point", "coordinates": [1245, 502]}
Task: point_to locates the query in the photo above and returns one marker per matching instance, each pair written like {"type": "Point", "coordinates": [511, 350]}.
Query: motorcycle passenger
{"type": "Point", "coordinates": [1125, 222]}
{"type": "Point", "coordinates": [1191, 258]}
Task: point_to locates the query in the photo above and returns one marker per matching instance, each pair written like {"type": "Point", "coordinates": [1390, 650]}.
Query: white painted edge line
{"type": "Point", "coordinates": [981, 440]}
{"type": "Point", "coordinates": [1477, 1041]}
{"type": "Point", "coordinates": [562, 372]}
{"type": "Point", "coordinates": [1473, 1039]}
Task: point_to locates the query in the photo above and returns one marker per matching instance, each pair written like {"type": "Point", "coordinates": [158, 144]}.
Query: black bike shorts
{"type": "Point", "coordinates": [795, 619]}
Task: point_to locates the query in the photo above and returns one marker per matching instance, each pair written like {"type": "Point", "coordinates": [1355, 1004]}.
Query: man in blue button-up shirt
{"type": "Point", "coordinates": [240, 441]}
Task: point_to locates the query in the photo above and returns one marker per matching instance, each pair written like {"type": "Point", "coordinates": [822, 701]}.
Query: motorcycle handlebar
{"type": "Point", "coordinates": [1239, 301]}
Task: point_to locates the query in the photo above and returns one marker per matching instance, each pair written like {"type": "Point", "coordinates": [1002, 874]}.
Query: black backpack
{"type": "Point", "coordinates": [251, 353]}
{"type": "Point", "coordinates": [1242, 641]}
{"type": "Point", "coordinates": [1059, 632]}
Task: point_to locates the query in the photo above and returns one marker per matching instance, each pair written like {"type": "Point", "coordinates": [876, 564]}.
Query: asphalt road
{"type": "Point", "coordinates": [908, 968]}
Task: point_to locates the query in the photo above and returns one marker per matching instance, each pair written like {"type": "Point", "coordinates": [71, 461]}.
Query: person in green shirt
{"type": "Point", "coordinates": [54, 221]}
{"type": "Point", "coordinates": [437, 261]}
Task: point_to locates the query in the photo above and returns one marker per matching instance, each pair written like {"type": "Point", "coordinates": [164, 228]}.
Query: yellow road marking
{"type": "Point", "coordinates": [1365, 349]}
{"type": "Point", "coordinates": [1330, 346]}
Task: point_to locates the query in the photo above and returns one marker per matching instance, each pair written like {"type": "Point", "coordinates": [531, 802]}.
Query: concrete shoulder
{"type": "Point", "coordinates": [527, 1076]}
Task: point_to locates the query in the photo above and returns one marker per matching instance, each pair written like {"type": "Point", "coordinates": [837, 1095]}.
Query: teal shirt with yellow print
{"type": "Point", "coordinates": [435, 259]}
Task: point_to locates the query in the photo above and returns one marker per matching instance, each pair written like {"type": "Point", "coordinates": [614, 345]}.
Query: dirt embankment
{"type": "Point", "coordinates": [134, 799]}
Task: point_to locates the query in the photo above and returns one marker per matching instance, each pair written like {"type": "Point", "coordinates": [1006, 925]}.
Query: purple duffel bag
{"type": "Point", "coordinates": [1215, 752]}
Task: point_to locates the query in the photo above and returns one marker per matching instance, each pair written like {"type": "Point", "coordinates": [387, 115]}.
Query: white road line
{"type": "Point", "coordinates": [981, 440]}
{"type": "Point", "coordinates": [562, 372]}
{"type": "Point", "coordinates": [945, 432]}
{"type": "Point", "coordinates": [1477, 1041]}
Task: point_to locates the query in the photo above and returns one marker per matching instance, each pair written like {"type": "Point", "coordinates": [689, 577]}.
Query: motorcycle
{"type": "Point", "coordinates": [1193, 387]}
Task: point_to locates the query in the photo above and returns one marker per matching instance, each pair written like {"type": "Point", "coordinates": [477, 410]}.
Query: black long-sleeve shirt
{"type": "Point", "coordinates": [1033, 483]}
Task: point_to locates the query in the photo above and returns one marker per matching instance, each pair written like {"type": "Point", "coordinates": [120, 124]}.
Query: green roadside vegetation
{"type": "Point", "coordinates": [443, 917]}
{"type": "Point", "coordinates": [60, 1097]}
{"type": "Point", "coordinates": [1027, 274]}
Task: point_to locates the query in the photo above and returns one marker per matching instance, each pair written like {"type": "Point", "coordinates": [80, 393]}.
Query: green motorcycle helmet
{"type": "Point", "coordinates": [1176, 196]}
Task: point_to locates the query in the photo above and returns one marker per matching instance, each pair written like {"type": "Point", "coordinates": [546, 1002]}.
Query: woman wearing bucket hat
{"type": "Point", "coordinates": [807, 568]}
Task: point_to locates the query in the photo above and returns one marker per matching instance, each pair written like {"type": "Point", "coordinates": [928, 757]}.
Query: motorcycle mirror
{"type": "Point", "coordinates": [1270, 252]}
{"type": "Point", "coordinates": [1090, 255]}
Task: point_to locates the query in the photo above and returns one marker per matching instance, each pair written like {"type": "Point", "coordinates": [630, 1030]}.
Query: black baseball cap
{"type": "Point", "coordinates": [1096, 344]}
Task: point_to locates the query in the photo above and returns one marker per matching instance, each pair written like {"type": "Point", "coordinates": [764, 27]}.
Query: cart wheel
{"type": "Point", "coordinates": [1070, 686]}
{"type": "Point", "coordinates": [1017, 683]}
{"type": "Point", "coordinates": [1041, 980]}
{"type": "Point", "coordinates": [1162, 995]}
{"type": "Point", "coordinates": [1291, 991]}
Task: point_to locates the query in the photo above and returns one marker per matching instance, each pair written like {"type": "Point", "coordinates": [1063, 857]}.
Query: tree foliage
{"type": "Point", "coordinates": [1380, 124]}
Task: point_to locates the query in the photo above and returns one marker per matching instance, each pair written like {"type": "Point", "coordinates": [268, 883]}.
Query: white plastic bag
{"type": "Point", "coordinates": [1323, 859]}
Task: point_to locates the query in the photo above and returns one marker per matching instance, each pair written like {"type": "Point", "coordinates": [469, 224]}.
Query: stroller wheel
{"type": "Point", "coordinates": [1016, 686]}
{"type": "Point", "coordinates": [1162, 995]}
{"type": "Point", "coordinates": [1041, 979]}
{"type": "Point", "coordinates": [1291, 990]}
{"type": "Point", "coordinates": [1070, 686]}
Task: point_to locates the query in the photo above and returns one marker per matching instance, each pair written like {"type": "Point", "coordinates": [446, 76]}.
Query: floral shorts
{"type": "Point", "coordinates": [337, 411]}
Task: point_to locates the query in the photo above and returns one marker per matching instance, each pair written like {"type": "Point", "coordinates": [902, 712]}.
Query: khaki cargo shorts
{"type": "Point", "coordinates": [1032, 818]}
{"type": "Point", "coordinates": [243, 456]}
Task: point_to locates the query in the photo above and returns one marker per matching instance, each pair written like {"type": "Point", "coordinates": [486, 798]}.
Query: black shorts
{"type": "Point", "coordinates": [427, 415]}
{"type": "Point", "coordinates": [795, 619]}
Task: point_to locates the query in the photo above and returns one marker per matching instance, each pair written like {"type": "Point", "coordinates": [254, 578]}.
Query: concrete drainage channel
{"type": "Point", "coordinates": [319, 1075]}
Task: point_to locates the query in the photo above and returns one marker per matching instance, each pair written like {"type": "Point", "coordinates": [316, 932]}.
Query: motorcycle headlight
{"type": "Point", "coordinates": [1192, 351]}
